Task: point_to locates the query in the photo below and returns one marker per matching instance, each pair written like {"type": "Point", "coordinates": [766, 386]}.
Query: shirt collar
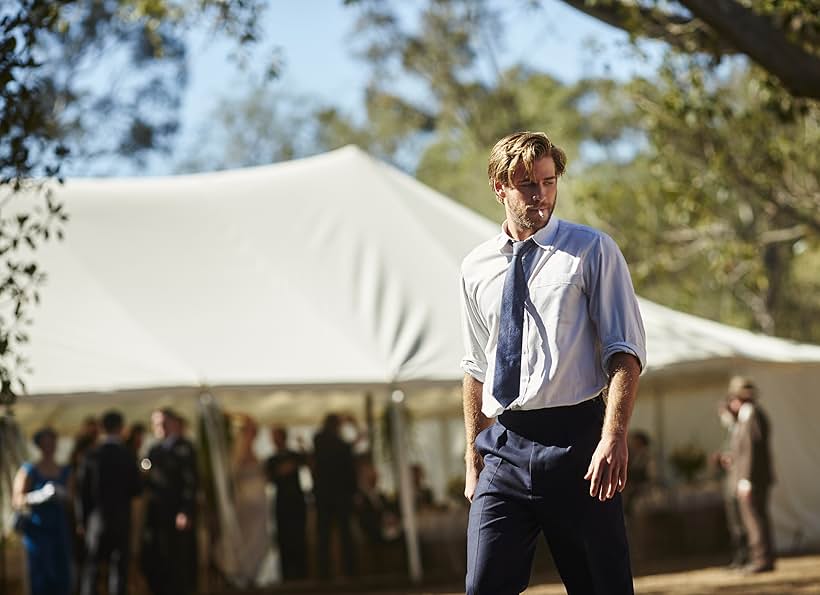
{"type": "Point", "coordinates": [544, 237]}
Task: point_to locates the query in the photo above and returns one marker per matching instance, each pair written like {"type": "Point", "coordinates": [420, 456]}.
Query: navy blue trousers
{"type": "Point", "coordinates": [533, 482]}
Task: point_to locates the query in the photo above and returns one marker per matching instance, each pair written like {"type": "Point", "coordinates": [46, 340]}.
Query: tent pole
{"type": "Point", "coordinates": [444, 444]}
{"type": "Point", "coordinates": [406, 500]}
{"type": "Point", "coordinates": [370, 424]}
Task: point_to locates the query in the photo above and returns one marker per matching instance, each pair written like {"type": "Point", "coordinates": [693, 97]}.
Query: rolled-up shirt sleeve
{"type": "Point", "coordinates": [613, 306]}
{"type": "Point", "coordinates": [475, 336]}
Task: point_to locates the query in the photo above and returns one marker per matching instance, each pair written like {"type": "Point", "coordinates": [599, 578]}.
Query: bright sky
{"type": "Point", "coordinates": [314, 38]}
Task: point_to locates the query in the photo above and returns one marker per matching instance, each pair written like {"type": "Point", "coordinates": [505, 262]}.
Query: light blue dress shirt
{"type": "Point", "coordinates": [580, 311]}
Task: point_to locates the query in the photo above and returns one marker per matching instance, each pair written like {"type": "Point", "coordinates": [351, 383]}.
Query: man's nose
{"type": "Point", "coordinates": [539, 193]}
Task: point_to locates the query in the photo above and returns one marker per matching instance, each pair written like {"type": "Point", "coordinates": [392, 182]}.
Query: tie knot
{"type": "Point", "coordinates": [520, 248]}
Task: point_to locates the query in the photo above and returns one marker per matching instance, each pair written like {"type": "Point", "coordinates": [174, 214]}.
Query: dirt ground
{"type": "Point", "coordinates": [797, 575]}
{"type": "Point", "coordinates": [793, 576]}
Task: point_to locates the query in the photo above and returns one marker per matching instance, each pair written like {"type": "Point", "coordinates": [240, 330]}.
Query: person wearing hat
{"type": "Point", "coordinates": [751, 471]}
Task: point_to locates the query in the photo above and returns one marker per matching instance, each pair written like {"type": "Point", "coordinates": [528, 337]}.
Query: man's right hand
{"type": "Point", "coordinates": [474, 423]}
{"type": "Point", "coordinates": [470, 482]}
{"type": "Point", "coordinates": [471, 477]}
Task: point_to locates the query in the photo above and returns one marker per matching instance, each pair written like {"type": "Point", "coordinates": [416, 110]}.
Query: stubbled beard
{"type": "Point", "coordinates": [523, 221]}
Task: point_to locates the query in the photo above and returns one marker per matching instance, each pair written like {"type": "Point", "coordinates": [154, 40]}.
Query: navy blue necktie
{"type": "Point", "coordinates": [507, 377]}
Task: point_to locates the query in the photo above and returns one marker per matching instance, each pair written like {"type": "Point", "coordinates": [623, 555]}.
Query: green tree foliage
{"type": "Point", "coordinates": [720, 210]}
{"type": "Point", "coordinates": [53, 55]}
{"type": "Point", "coordinates": [706, 174]}
{"type": "Point", "coordinates": [461, 101]}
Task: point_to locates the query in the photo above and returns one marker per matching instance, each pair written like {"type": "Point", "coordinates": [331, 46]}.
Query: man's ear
{"type": "Point", "coordinates": [499, 191]}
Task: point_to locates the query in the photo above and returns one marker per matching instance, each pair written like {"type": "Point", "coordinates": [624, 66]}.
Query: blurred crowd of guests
{"type": "Point", "coordinates": [81, 535]}
{"type": "Point", "coordinates": [335, 482]}
{"type": "Point", "coordinates": [77, 520]}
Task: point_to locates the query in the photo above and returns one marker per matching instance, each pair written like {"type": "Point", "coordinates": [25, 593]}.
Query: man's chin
{"type": "Point", "coordinates": [533, 223]}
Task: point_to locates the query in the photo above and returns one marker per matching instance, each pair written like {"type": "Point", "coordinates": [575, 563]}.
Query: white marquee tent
{"type": "Point", "coordinates": [285, 290]}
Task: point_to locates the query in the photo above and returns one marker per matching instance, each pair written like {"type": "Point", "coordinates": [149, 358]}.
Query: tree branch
{"type": "Point", "coordinates": [757, 37]}
{"type": "Point", "coordinates": [787, 235]}
{"type": "Point", "coordinates": [783, 206]}
{"type": "Point", "coordinates": [719, 27]}
{"type": "Point", "coordinates": [678, 30]}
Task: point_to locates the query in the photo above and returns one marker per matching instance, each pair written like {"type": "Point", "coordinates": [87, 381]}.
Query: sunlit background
{"type": "Point", "coordinates": [165, 241]}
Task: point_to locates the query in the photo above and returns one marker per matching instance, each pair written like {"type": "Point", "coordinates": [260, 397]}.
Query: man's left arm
{"type": "Point", "coordinates": [607, 469]}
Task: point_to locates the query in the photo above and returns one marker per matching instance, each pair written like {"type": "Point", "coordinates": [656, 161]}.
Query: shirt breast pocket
{"type": "Point", "coordinates": [558, 297]}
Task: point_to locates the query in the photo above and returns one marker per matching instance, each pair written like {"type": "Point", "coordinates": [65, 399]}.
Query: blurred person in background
{"type": "Point", "coordinates": [751, 472]}
{"type": "Point", "coordinates": [290, 509]}
{"type": "Point", "coordinates": [640, 470]}
{"type": "Point", "coordinates": [107, 482]}
{"type": "Point", "coordinates": [250, 501]}
{"type": "Point", "coordinates": [134, 441]}
{"type": "Point", "coordinates": [135, 437]}
{"type": "Point", "coordinates": [734, 522]}
{"type": "Point", "coordinates": [40, 494]}
{"type": "Point", "coordinates": [422, 492]}
{"type": "Point", "coordinates": [84, 440]}
{"type": "Point", "coordinates": [335, 488]}
{"type": "Point", "coordinates": [168, 548]}
{"type": "Point", "coordinates": [378, 517]}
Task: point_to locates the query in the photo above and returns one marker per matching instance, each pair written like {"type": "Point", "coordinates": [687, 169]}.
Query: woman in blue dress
{"type": "Point", "coordinates": [41, 489]}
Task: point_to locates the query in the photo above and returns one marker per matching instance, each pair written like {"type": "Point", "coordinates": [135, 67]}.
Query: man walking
{"type": "Point", "coordinates": [108, 480]}
{"type": "Point", "coordinates": [751, 472]}
{"type": "Point", "coordinates": [550, 322]}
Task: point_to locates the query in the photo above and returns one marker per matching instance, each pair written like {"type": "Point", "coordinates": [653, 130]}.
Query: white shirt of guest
{"type": "Point", "coordinates": [581, 310]}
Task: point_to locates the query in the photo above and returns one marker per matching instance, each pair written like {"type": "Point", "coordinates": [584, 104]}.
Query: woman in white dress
{"type": "Point", "coordinates": [250, 502]}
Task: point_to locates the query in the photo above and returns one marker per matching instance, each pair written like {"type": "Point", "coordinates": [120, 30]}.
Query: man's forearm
{"type": "Point", "coordinates": [474, 420]}
{"type": "Point", "coordinates": [624, 373]}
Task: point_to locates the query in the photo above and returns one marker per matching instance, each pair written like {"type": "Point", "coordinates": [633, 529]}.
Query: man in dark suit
{"type": "Point", "coordinates": [751, 472]}
{"type": "Point", "coordinates": [169, 533]}
{"type": "Point", "coordinates": [108, 480]}
{"type": "Point", "coordinates": [290, 512]}
{"type": "Point", "coordinates": [335, 488]}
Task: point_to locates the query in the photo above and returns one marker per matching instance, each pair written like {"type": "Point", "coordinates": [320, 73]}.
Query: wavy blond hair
{"type": "Point", "coordinates": [522, 148]}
